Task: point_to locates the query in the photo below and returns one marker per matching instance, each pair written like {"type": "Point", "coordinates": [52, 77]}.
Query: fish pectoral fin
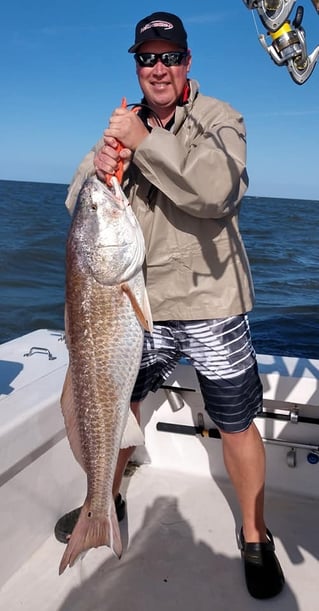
{"type": "Point", "coordinates": [142, 316]}
{"type": "Point", "coordinates": [132, 435]}
{"type": "Point", "coordinates": [147, 311]}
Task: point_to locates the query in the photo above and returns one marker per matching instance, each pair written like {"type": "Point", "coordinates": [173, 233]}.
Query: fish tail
{"type": "Point", "coordinates": [92, 531]}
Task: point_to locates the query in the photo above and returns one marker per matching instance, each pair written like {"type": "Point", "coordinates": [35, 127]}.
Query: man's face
{"type": "Point", "coordinates": [162, 86]}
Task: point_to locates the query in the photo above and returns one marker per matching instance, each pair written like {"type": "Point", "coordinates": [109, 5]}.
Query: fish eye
{"type": "Point", "coordinates": [93, 206]}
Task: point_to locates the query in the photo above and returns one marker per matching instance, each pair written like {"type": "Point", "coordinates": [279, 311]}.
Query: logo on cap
{"type": "Point", "coordinates": [157, 24]}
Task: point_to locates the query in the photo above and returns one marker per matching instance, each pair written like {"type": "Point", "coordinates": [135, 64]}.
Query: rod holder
{"type": "Point", "coordinates": [292, 458]}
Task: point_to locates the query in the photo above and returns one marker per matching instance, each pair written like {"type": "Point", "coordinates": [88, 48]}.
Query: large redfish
{"type": "Point", "coordinates": [106, 310]}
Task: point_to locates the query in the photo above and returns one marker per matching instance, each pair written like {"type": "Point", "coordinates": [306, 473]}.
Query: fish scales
{"type": "Point", "coordinates": [105, 252]}
{"type": "Point", "coordinates": [105, 388]}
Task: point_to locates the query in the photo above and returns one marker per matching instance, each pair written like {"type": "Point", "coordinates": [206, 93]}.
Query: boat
{"type": "Point", "coordinates": [180, 532]}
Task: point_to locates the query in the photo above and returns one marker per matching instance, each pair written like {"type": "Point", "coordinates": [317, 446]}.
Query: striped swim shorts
{"type": "Point", "coordinates": [224, 359]}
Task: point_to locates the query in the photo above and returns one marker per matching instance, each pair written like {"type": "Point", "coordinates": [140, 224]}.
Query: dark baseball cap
{"type": "Point", "coordinates": [160, 26]}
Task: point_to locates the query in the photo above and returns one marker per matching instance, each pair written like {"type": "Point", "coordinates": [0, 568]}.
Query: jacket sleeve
{"type": "Point", "coordinates": [83, 171]}
{"type": "Point", "coordinates": [204, 175]}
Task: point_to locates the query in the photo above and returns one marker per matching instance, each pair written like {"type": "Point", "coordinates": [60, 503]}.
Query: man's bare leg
{"type": "Point", "coordinates": [244, 457]}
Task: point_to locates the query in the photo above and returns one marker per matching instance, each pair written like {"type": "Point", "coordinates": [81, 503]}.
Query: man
{"type": "Point", "coordinates": [184, 158]}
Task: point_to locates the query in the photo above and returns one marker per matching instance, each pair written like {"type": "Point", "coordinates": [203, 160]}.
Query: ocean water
{"type": "Point", "coordinates": [281, 237]}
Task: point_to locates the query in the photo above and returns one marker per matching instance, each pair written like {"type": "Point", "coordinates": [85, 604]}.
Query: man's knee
{"type": "Point", "coordinates": [238, 437]}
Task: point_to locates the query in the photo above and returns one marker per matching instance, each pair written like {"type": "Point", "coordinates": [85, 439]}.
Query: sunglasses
{"type": "Point", "coordinates": [170, 58]}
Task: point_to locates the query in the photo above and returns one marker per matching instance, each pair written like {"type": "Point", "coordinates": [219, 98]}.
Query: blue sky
{"type": "Point", "coordinates": [64, 67]}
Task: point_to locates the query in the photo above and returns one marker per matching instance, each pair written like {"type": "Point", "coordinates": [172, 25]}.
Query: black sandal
{"type": "Point", "coordinates": [65, 525]}
{"type": "Point", "coordinates": [264, 576]}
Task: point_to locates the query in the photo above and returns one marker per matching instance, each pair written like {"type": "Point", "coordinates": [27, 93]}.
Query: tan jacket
{"type": "Point", "coordinates": [196, 262]}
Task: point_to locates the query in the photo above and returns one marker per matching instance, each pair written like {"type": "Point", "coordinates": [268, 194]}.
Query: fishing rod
{"type": "Point", "coordinates": [286, 43]}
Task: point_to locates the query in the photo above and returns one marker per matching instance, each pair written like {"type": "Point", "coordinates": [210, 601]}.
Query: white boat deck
{"type": "Point", "coordinates": [180, 553]}
{"type": "Point", "coordinates": [179, 535]}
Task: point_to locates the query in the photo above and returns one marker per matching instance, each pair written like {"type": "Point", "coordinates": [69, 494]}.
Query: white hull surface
{"type": "Point", "coordinates": [180, 549]}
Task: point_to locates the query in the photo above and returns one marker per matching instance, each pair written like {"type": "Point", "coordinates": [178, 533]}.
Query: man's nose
{"type": "Point", "coordinates": [159, 66]}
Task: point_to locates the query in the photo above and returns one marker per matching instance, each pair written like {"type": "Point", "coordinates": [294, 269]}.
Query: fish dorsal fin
{"type": "Point", "coordinates": [143, 314]}
{"type": "Point", "coordinates": [70, 419]}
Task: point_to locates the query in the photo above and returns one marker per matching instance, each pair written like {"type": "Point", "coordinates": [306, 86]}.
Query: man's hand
{"type": "Point", "coordinates": [124, 128]}
{"type": "Point", "coordinates": [127, 128]}
{"type": "Point", "coordinates": [107, 159]}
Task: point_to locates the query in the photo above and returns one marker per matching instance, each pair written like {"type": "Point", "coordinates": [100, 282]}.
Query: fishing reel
{"type": "Point", "coordinates": [287, 44]}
